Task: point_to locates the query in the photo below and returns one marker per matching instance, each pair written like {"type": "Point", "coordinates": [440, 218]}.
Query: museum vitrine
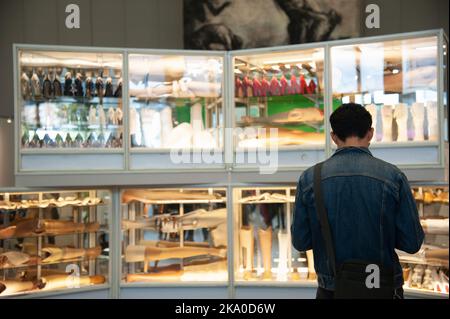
{"type": "Point", "coordinates": [174, 235]}
{"type": "Point", "coordinates": [70, 99]}
{"type": "Point", "coordinates": [175, 105]}
{"type": "Point", "coordinates": [53, 240]}
{"type": "Point", "coordinates": [427, 270]}
{"type": "Point", "coordinates": [263, 252]}
{"type": "Point", "coordinates": [69, 110]}
{"type": "Point", "coordinates": [179, 103]}
{"type": "Point", "coordinates": [279, 104]}
{"type": "Point", "coordinates": [399, 82]}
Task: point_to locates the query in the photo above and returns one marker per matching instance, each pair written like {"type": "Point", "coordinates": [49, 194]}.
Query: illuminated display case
{"type": "Point", "coordinates": [263, 252]}
{"type": "Point", "coordinates": [426, 272]}
{"type": "Point", "coordinates": [175, 106]}
{"type": "Point", "coordinates": [178, 104]}
{"type": "Point", "coordinates": [399, 82]}
{"type": "Point", "coordinates": [281, 88]}
{"type": "Point", "coordinates": [69, 101]}
{"type": "Point", "coordinates": [174, 235]}
{"type": "Point", "coordinates": [167, 104]}
{"type": "Point", "coordinates": [54, 241]}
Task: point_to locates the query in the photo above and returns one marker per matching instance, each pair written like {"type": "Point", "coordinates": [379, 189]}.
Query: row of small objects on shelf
{"type": "Point", "coordinates": [247, 87]}
{"type": "Point", "coordinates": [44, 203]}
{"type": "Point", "coordinates": [53, 116]}
{"type": "Point", "coordinates": [92, 141]}
{"type": "Point", "coordinates": [428, 195]}
{"type": "Point", "coordinates": [49, 86]}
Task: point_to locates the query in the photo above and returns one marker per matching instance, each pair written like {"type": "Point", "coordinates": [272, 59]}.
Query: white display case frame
{"type": "Point", "coordinates": [101, 291]}
{"type": "Point", "coordinates": [78, 160]}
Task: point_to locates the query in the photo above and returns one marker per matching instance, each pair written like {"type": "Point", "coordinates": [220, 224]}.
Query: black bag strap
{"type": "Point", "coordinates": [323, 217]}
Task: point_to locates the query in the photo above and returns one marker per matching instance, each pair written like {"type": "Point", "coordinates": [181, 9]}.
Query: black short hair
{"type": "Point", "coordinates": [350, 119]}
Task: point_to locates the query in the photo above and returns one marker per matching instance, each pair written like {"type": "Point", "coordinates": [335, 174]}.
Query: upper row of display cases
{"type": "Point", "coordinates": [100, 109]}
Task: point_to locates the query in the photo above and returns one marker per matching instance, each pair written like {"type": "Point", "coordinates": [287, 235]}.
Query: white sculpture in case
{"type": "Point", "coordinates": [387, 115]}
{"type": "Point", "coordinates": [433, 124]}
{"type": "Point", "coordinates": [283, 250]}
{"type": "Point", "coordinates": [401, 117]}
{"type": "Point", "coordinates": [372, 109]}
{"type": "Point", "coordinates": [418, 113]}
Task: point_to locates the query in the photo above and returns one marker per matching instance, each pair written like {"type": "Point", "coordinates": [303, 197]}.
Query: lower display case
{"type": "Point", "coordinates": [54, 242]}
{"type": "Point", "coordinates": [263, 253]}
{"type": "Point", "coordinates": [205, 242]}
{"type": "Point", "coordinates": [426, 272]}
{"type": "Point", "coordinates": [174, 235]}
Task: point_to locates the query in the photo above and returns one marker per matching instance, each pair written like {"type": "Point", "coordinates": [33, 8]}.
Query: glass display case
{"type": "Point", "coordinates": [279, 104]}
{"type": "Point", "coordinates": [427, 271]}
{"type": "Point", "coordinates": [174, 235]}
{"type": "Point", "coordinates": [263, 250]}
{"type": "Point", "coordinates": [178, 105]}
{"type": "Point", "coordinates": [69, 101]}
{"type": "Point", "coordinates": [398, 81]}
{"type": "Point", "coordinates": [175, 106]}
{"type": "Point", "coordinates": [53, 241]}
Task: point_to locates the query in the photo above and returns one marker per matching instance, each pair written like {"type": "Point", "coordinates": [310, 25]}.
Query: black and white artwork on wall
{"type": "Point", "coordinates": [241, 24]}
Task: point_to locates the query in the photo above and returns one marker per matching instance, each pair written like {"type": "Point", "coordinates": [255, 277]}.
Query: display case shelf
{"type": "Point", "coordinates": [65, 261]}
{"type": "Point", "coordinates": [421, 293]}
{"type": "Point", "coordinates": [428, 262]}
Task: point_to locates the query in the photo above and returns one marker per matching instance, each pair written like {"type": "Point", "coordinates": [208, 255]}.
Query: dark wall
{"type": "Point", "coordinates": [6, 153]}
{"type": "Point", "coordinates": [399, 16]}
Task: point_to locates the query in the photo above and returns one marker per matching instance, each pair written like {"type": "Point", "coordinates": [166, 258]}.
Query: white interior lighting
{"type": "Point", "coordinates": [395, 71]}
{"type": "Point", "coordinates": [433, 47]}
{"type": "Point", "coordinates": [292, 60]}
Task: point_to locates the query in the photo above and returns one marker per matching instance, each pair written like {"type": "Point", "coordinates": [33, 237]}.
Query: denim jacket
{"type": "Point", "coordinates": [370, 209]}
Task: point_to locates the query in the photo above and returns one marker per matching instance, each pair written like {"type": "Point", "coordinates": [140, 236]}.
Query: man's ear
{"type": "Point", "coordinates": [335, 139]}
{"type": "Point", "coordinates": [369, 135]}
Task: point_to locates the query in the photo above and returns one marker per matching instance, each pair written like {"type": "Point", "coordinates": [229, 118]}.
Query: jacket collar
{"type": "Point", "coordinates": [347, 149]}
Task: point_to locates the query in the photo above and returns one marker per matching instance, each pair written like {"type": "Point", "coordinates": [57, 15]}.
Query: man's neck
{"type": "Point", "coordinates": [354, 142]}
